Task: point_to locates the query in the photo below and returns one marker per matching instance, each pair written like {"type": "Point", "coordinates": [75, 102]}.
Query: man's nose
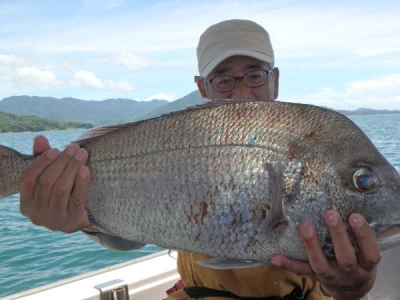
{"type": "Point", "coordinates": [241, 91]}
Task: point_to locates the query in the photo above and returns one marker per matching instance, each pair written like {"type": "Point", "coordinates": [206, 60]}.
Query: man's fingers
{"type": "Point", "coordinates": [48, 179]}
{"type": "Point", "coordinates": [316, 258]}
{"type": "Point", "coordinates": [77, 202]}
{"type": "Point", "coordinates": [70, 193]}
{"type": "Point", "coordinates": [77, 175]}
{"type": "Point", "coordinates": [70, 161]}
{"type": "Point", "coordinates": [55, 187]}
{"type": "Point", "coordinates": [370, 253]}
{"type": "Point", "coordinates": [80, 192]}
{"type": "Point", "coordinates": [344, 251]}
{"type": "Point", "coordinates": [317, 265]}
{"type": "Point", "coordinates": [30, 177]}
{"type": "Point", "coordinates": [295, 266]}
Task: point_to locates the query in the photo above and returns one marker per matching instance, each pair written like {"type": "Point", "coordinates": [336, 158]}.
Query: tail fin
{"type": "Point", "coordinates": [12, 164]}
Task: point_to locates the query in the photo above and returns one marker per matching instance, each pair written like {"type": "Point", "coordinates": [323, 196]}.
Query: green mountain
{"type": "Point", "coordinates": [368, 111]}
{"type": "Point", "coordinates": [14, 123]}
{"type": "Point", "coordinates": [111, 111]}
{"type": "Point", "coordinates": [192, 99]}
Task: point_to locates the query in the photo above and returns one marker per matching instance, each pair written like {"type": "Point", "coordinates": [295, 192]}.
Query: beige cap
{"type": "Point", "coordinates": [233, 37]}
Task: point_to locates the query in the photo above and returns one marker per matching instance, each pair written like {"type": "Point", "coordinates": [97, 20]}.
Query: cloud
{"type": "Point", "coordinates": [36, 78]}
{"type": "Point", "coordinates": [121, 86]}
{"type": "Point", "coordinates": [112, 37]}
{"type": "Point", "coordinates": [379, 93]}
{"type": "Point", "coordinates": [12, 60]}
{"type": "Point", "coordinates": [131, 61]}
{"type": "Point", "coordinates": [67, 65]}
{"type": "Point", "coordinates": [341, 32]}
{"type": "Point", "coordinates": [18, 72]}
{"type": "Point", "coordinates": [385, 85]}
{"type": "Point", "coordinates": [165, 28]}
{"type": "Point", "coordinates": [161, 96]}
{"type": "Point", "coordinates": [88, 79]}
{"type": "Point", "coordinates": [382, 92]}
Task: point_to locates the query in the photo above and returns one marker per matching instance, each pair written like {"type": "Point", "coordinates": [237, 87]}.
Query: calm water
{"type": "Point", "coordinates": [31, 256]}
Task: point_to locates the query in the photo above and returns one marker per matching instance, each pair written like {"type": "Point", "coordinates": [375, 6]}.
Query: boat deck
{"type": "Point", "coordinates": [150, 276]}
{"type": "Point", "coordinates": [147, 277]}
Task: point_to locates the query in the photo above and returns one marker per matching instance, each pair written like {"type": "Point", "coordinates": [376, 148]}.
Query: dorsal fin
{"type": "Point", "coordinates": [213, 103]}
{"type": "Point", "coordinates": [100, 131]}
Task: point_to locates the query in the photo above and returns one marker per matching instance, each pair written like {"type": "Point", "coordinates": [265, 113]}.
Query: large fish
{"type": "Point", "coordinates": [233, 179]}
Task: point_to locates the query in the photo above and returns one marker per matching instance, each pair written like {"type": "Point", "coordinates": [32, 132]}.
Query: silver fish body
{"type": "Point", "coordinates": [233, 179]}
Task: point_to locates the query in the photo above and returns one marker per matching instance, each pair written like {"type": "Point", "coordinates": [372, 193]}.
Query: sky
{"type": "Point", "coordinates": [339, 54]}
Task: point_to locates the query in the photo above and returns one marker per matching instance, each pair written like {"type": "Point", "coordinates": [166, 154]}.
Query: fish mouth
{"type": "Point", "coordinates": [388, 235]}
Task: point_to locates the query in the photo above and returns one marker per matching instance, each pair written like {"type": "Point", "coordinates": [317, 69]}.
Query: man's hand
{"type": "Point", "coordinates": [55, 187]}
{"type": "Point", "coordinates": [351, 275]}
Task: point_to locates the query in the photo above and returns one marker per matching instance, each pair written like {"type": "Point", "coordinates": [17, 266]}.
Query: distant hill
{"type": "Point", "coordinates": [192, 99]}
{"type": "Point", "coordinates": [111, 111]}
{"type": "Point", "coordinates": [114, 111]}
{"type": "Point", "coordinates": [368, 111]}
{"type": "Point", "coordinates": [14, 123]}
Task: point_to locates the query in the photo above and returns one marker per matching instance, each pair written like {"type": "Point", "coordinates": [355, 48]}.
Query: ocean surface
{"type": "Point", "coordinates": [32, 256]}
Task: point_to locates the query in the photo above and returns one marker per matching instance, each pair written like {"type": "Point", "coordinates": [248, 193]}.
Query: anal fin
{"type": "Point", "coordinates": [218, 263]}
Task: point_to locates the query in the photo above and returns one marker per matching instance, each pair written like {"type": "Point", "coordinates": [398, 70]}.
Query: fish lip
{"type": "Point", "coordinates": [388, 234]}
{"type": "Point", "coordinates": [389, 242]}
{"type": "Point", "coordinates": [385, 229]}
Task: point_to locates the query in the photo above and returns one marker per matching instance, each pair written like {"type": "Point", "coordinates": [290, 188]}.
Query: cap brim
{"type": "Point", "coordinates": [232, 52]}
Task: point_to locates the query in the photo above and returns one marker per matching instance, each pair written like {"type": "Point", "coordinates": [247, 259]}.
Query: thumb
{"type": "Point", "coordinates": [40, 145]}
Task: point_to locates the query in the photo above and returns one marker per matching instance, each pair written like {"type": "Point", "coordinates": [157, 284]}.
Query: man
{"type": "Point", "coordinates": [235, 60]}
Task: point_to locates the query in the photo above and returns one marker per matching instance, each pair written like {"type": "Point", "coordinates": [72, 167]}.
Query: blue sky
{"type": "Point", "coordinates": [340, 54]}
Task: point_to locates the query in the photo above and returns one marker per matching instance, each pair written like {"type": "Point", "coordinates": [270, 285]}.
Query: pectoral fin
{"type": "Point", "coordinates": [275, 222]}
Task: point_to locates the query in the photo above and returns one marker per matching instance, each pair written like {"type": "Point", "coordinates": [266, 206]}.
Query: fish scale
{"type": "Point", "coordinates": [146, 181]}
{"type": "Point", "coordinates": [233, 179]}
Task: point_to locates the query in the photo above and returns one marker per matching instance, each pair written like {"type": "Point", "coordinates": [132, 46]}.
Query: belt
{"type": "Point", "coordinates": [204, 292]}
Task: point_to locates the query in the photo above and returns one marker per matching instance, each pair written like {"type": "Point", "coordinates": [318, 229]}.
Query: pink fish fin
{"type": "Point", "coordinates": [275, 222]}
{"type": "Point", "coordinates": [12, 164]}
{"type": "Point", "coordinates": [100, 131]}
{"type": "Point", "coordinates": [219, 263]}
{"type": "Point", "coordinates": [214, 103]}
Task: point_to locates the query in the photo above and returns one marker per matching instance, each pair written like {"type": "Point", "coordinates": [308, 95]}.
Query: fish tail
{"type": "Point", "coordinates": [12, 164]}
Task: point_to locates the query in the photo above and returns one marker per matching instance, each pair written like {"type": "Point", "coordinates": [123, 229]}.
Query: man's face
{"type": "Point", "coordinates": [238, 66]}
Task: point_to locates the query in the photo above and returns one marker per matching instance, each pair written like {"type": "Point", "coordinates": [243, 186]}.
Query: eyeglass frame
{"type": "Point", "coordinates": [204, 79]}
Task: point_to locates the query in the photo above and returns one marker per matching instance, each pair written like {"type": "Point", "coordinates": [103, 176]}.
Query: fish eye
{"type": "Point", "coordinates": [364, 180]}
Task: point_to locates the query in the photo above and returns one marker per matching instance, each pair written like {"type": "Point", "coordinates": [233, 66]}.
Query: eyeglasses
{"type": "Point", "coordinates": [226, 83]}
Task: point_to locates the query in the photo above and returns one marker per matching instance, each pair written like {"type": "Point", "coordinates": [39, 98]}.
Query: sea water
{"type": "Point", "coordinates": [31, 256]}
